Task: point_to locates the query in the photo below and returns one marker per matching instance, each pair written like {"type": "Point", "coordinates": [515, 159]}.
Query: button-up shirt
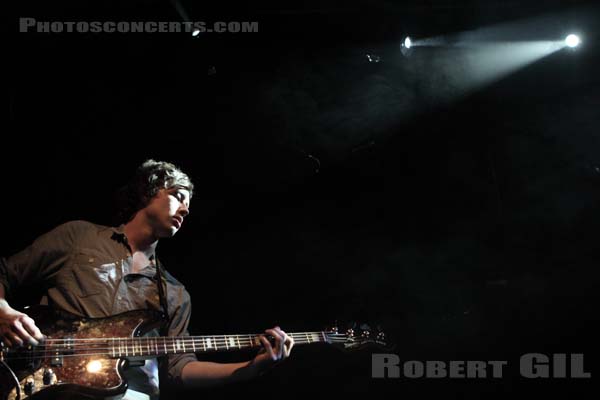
{"type": "Point", "coordinates": [86, 269]}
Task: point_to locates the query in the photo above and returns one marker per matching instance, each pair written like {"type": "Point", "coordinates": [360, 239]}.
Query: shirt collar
{"type": "Point", "coordinates": [119, 234]}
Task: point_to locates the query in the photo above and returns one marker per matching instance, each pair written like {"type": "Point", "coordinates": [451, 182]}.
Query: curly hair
{"type": "Point", "coordinates": [149, 179]}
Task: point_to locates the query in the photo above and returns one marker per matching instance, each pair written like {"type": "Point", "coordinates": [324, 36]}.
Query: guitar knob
{"type": "Point", "coordinates": [29, 386]}
{"type": "Point", "coordinates": [49, 377]}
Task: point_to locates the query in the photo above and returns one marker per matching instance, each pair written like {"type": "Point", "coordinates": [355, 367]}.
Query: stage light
{"type": "Point", "coordinates": [572, 40]}
{"type": "Point", "coordinates": [195, 32]}
{"type": "Point", "coordinates": [407, 42]}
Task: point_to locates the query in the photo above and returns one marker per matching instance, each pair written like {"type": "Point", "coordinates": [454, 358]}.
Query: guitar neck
{"type": "Point", "coordinates": [150, 347]}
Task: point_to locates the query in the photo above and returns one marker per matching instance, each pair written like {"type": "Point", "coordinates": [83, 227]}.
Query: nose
{"type": "Point", "coordinates": [184, 210]}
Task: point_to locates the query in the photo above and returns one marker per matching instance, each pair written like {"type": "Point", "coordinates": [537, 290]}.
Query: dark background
{"type": "Point", "coordinates": [329, 187]}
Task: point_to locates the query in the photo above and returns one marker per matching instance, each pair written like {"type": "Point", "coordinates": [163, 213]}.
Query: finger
{"type": "Point", "coordinates": [7, 341]}
{"type": "Point", "coordinates": [33, 330]}
{"type": "Point", "coordinates": [276, 333]}
{"type": "Point", "coordinates": [13, 339]}
{"type": "Point", "coordinates": [283, 344]}
{"type": "Point", "coordinates": [17, 327]}
{"type": "Point", "coordinates": [279, 338]}
{"type": "Point", "coordinates": [268, 348]}
{"type": "Point", "coordinates": [289, 343]}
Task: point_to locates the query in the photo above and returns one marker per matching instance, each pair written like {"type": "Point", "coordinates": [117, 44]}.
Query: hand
{"type": "Point", "coordinates": [270, 355]}
{"type": "Point", "coordinates": [17, 328]}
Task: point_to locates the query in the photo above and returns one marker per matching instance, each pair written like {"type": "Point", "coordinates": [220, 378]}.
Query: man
{"type": "Point", "coordinates": [97, 271]}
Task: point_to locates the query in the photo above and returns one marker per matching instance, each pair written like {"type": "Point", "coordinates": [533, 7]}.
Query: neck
{"type": "Point", "coordinates": [140, 235]}
{"type": "Point", "coordinates": [150, 346]}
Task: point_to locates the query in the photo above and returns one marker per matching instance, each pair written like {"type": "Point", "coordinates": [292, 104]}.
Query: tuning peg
{"type": "Point", "coordinates": [350, 333]}
{"type": "Point", "coordinates": [333, 328]}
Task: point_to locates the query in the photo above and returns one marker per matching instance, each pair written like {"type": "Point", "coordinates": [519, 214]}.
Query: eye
{"type": "Point", "coordinates": [179, 196]}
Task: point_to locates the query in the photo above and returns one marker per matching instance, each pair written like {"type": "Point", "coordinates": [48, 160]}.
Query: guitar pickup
{"type": "Point", "coordinates": [65, 348]}
{"type": "Point", "coordinates": [56, 360]}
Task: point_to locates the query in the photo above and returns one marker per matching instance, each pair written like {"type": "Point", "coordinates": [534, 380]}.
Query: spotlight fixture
{"type": "Point", "coordinates": [407, 43]}
{"type": "Point", "coordinates": [572, 40]}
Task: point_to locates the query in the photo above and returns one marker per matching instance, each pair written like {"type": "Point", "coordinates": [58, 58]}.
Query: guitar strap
{"type": "Point", "coordinates": [162, 288]}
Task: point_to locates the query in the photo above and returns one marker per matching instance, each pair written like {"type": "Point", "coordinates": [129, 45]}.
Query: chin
{"type": "Point", "coordinates": [168, 232]}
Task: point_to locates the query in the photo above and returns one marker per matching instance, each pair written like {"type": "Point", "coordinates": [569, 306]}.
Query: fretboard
{"type": "Point", "coordinates": [157, 346]}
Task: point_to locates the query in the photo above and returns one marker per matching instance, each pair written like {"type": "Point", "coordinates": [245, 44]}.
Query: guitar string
{"type": "Point", "coordinates": [129, 343]}
{"type": "Point", "coordinates": [172, 340]}
{"type": "Point", "coordinates": [161, 341]}
{"type": "Point", "coordinates": [145, 343]}
{"type": "Point", "coordinates": [222, 337]}
{"type": "Point", "coordinates": [142, 344]}
{"type": "Point", "coordinates": [109, 352]}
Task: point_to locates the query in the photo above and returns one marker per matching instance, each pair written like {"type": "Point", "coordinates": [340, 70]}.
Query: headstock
{"type": "Point", "coordinates": [357, 336]}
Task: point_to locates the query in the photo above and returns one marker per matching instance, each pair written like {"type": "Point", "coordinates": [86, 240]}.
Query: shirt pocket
{"type": "Point", "coordinates": [93, 273]}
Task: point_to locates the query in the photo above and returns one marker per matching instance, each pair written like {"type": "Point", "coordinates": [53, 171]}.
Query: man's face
{"type": "Point", "coordinates": [167, 209]}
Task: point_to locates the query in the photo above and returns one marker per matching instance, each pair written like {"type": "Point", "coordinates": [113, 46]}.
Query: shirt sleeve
{"type": "Point", "coordinates": [180, 319]}
{"type": "Point", "coordinates": [40, 261]}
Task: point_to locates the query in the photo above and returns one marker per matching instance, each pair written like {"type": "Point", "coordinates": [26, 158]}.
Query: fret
{"type": "Point", "coordinates": [156, 345]}
{"type": "Point", "coordinates": [238, 340]}
{"type": "Point", "coordinates": [165, 344]}
{"type": "Point", "coordinates": [307, 337]}
{"type": "Point", "coordinates": [113, 348]}
{"type": "Point", "coordinates": [194, 344]}
{"type": "Point", "coordinates": [324, 337]}
{"type": "Point", "coordinates": [126, 350]}
{"type": "Point", "coordinates": [183, 341]}
{"type": "Point", "coordinates": [133, 346]}
{"type": "Point", "coordinates": [208, 343]}
{"type": "Point", "coordinates": [148, 346]}
{"type": "Point", "coordinates": [231, 342]}
{"type": "Point", "coordinates": [204, 343]}
{"type": "Point", "coordinates": [173, 344]}
{"type": "Point", "coordinates": [216, 345]}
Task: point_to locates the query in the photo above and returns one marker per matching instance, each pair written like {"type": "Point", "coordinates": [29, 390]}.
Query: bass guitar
{"type": "Point", "coordinates": [85, 357]}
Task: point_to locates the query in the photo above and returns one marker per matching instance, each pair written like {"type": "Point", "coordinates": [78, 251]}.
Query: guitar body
{"type": "Point", "coordinates": [51, 370]}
